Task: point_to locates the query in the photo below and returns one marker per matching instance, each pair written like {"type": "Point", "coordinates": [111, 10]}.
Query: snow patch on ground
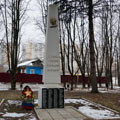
{"type": "Point", "coordinates": [35, 101]}
{"type": "Point", "coordinates": [4, 86]}
{"type": "Point", "coordinates": [35, 87]}
{"type": "Point", "coordinates": [17, 102]}
{"type": "Point", "coordinates": [116, 89]}
{"type": "Point", "coordinates": [98, 114]}
{"type": "Point", "coordinates": [77, 101]}
{"type": "Point", "coordinates": [19, 116]}
{"type": "Point", "coordinates": [14, 114]}
{"type": "Point", "coordinates": [7, 86]}
{"type": "Point", "coordinates": [2, 119]}
{"type": "Point", "coordinates": [94, 111]}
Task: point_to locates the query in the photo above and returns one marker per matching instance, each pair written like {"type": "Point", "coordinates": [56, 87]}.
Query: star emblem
{"type": "Point", "coordinates": [28, 93]}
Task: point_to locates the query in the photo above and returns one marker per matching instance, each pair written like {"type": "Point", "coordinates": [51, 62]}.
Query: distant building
{"type": "Point", "coordinates": [31, 67]}
{"type": "Point", "coordinates": [75, 66]}
{"type": "Point", "coordinates": [3, 59]}
{"type": "Point", "coordinates": [28, 51]}
{"type": "Point", "coordinates": [32, 51]}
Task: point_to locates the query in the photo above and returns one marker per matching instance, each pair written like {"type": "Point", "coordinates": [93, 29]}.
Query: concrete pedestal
{"type": "Point", "coordinates": [51, 97]}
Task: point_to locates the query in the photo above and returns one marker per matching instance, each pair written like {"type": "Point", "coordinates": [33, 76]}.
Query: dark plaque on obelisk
{"type": "Point", "coordinates": [61, 97]}
{"type": "Point", "coordinates": [50, 98]}
{"type": "Point", "coordinates": [55, 98]}
{"type": "Point", "coordinates": [44, 98]}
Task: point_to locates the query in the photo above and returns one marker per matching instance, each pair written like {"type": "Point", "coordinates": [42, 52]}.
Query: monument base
{"type": "Point", "coordinates": [51, 96]}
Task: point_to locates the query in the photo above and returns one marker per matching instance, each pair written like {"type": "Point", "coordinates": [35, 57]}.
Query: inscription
{"type": "Point", "coordinates": [52, 63]}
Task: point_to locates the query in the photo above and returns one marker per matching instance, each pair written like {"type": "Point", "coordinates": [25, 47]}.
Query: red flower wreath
{"type": "Point", "coordinates": [27, 93]}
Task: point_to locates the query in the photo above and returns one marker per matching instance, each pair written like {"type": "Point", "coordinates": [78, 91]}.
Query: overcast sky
{"type": "Point", "coordinates": [30, 31]}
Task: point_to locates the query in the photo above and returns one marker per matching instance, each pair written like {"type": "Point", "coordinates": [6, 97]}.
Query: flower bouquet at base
{"type": "Point", "coordinates": [27, 98]}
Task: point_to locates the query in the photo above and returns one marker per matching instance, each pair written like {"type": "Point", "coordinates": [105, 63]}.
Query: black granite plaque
{"type": "Point", "coordinates": [55, 97]}
{"type": "Point", "coordinates": [44, 98]}
{"type": "Point", "coordinates": [61, 98]}
{"type": "Point", "coordinates": [50, 98]}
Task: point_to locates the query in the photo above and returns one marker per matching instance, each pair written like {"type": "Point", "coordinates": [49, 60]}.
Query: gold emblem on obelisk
{"type": "Point", "coordinates": [53, 22]}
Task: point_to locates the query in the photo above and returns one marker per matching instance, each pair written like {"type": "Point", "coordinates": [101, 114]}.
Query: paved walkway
{"type": "Point", "coordinates": [67, 113]}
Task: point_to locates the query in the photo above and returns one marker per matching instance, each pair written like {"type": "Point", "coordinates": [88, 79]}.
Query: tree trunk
{"type": "Point", "coordinates": [99, 79]}
{"type": "Point", "coordinates": [83, 80]}
{"type": "Point", "coordinates": [72, 82]}
{"type": "Point", "coordinates": [111, 83]}
{"type": "Point", "coordinates": [118, 71]}
{"type": "Point", "coordinates": [13, 81]}
{"type": "Point", "coordinates": [64, 79]}
{"type": "Point", "coordinates": [92, 51]}
{"type": "Point", "coordinates": [119, 79]}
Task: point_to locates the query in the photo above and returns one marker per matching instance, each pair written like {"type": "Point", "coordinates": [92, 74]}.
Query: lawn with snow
{"type": "Point", "coordinates": [7, 86]}
{"type": "Point", "coordinates": [88, 108]}
{"type": "Point", "coordinates": [35, 87]}
{"type": "Point", "coordinates": [92, 110]}
{"type": "Point", "coordinates": [12, 110]}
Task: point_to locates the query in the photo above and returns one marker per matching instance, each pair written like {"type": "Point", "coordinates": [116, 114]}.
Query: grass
{"type": "Point", "coordinates": [13, 94]}
{"type": "Point", "coordinates": [14, 107]}
{"type": "Point", "coordinates": [110, 100]}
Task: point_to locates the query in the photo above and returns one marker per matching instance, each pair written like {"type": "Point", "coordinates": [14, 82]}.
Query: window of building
{"type": "Point", "coordinates": [32, 71]}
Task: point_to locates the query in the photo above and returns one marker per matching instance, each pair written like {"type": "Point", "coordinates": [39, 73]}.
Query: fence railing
{"type": "Point", "coordinates": [34, 78]}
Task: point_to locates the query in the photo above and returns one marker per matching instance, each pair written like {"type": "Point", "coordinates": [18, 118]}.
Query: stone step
{"type": "Point", "coordinates": [67, 113]}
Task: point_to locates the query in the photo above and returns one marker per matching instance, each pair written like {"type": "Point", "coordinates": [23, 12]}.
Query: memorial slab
{"type": "Point", "coordinates": [67, 113]}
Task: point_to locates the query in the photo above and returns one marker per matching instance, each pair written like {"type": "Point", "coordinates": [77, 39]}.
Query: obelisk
{"type": "Point", "coordinates": [51, 71]}
{"type": "Point", "coordinates": [51, 94]}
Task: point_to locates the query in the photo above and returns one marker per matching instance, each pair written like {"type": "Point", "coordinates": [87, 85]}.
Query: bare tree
{"type": "Point", "coordinates": [92, 50]}
{"type": "Point", "coordinates": [81, 50]}
{"type": "Point", "coordinates": [62, 47]}
{"type": "Point", "coordinates": [78, 8]}
{"type": "Point", "coordinates": [41, 21]}
{"type": "Point", "coordinates": [12, 14]}
{"type": "Point", "coordinates": [70, 25]}
{"type": "Point", "coordinates": [110, 35]}
{"type": "Point", "coordinates": [118, 49]}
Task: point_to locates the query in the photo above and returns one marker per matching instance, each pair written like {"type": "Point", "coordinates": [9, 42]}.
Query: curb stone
{"type": "Point", "coordinates": [2, 101]}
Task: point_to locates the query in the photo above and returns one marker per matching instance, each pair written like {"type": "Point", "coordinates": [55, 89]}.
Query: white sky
{"type": "Point", "coordinates": [30, 32]}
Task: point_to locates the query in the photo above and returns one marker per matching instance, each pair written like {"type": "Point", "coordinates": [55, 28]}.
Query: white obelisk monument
{"type": "Point", "coordinates": [49, 94]}
{"type": "Point", "coordinates": [51, 72]}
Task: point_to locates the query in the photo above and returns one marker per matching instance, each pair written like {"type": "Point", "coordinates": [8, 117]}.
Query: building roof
{"type": "Point", "coordinates": [28, 63]}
